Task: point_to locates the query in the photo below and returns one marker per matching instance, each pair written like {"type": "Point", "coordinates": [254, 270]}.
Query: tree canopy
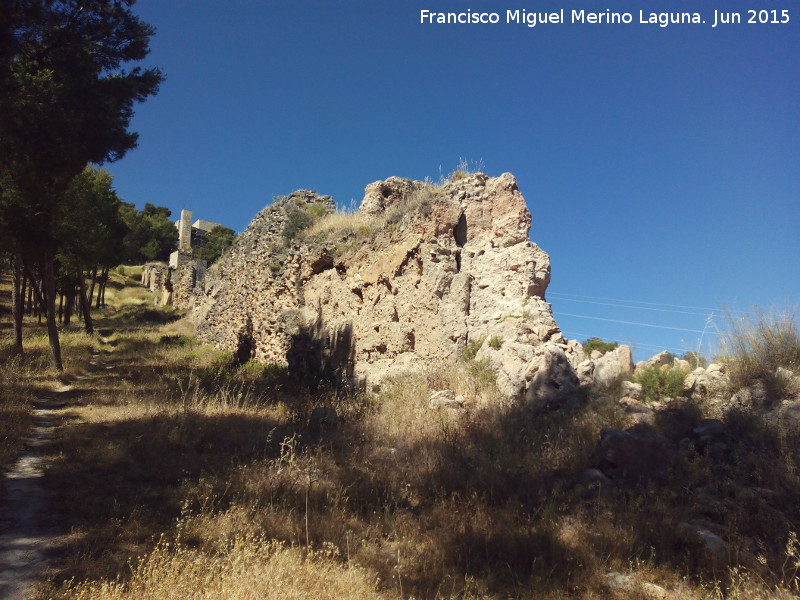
{"type": "Point", "coordinates": [214, 243]}
{"type": "Point", "coordinates": [151, 235]}
{"type": "Point", "coordinates": [66, 100]}
{"type": "Point", "coordinates": [89, 228]}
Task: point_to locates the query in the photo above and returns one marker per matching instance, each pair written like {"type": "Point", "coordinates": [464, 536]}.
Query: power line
{"type": "Point", "coordinates": [635, 323]}
{"type": "Point", "coordinates": [642, 302]}
{"type": "Point", "coordinates": [666, 310]}
{"type": "Point", "coordinates": [627, 341]}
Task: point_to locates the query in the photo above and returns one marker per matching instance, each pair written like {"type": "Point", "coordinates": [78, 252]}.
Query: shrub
{"type": "Point", "coordinates": [659, 382]}
{"type": "Point", "coordinates": [695, 360]}
{"type": "Point", "coordinates": [177, 340]}
{"type": "Point", "coordinates": [297, 220]}
{"type": "Point", "coordinates": [471, 349]}
{"type": "Point", "coordinates": [496, 342]}
{"type": "Point", "coordinates": [419, 200]}
{"type": "Point", "coordinates": [317, 211]}
{"type": "Point", "coordinates": [756, 346]}
{"type": "Point", "coordinates": [595, 343]}
{"type": "Point", "coordinates": [221, 370]}
{"type": "Point", "coordinates": [463, 169]}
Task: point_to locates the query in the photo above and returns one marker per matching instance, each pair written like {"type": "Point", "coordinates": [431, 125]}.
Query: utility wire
{"type": "Point", "coordinates": [706, 308]}
{"type": "Point", "coordinates": [634, 323]}
{"type": "Point", "coordinates": [629, 342]}
{"type": "Point", "coordinates": [666, 310]}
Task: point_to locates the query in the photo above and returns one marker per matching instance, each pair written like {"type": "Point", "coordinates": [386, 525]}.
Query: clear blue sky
{"type": "Point", "coordinates": [660, 164]}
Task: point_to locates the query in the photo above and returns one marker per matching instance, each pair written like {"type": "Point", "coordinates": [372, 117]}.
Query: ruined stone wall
{"type": "Point", "coordinates": [426, 270]}
{"type": "Point", "coordinates": [175, 285]}
{"type": "Point", "coordinates": [153, 275]}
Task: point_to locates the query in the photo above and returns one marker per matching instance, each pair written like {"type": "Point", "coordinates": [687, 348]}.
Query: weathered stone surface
{"type": "Point", "coordinates": [549, 376]}
{"type": "Point", "coordinates": [607, 369]}
{"type": "Point", "coordinates": [613, 366]}
{"type": "Point", "coordinates": [445, 399]}
{"type": "Point", "coordinates": [444, 266]}
{"type": "Point", "coordinates": [661, 359]}
{"type": "Point", "coordinates": [704, 383]}
{"type": "Point", "coordinates": [633, 455]}
{"type": "Point", "coordinates": [683, 365]}
{"type": "Point", "coordinates": [575, 353]}
{"type": "Point", "coordinates": [713, 547]}
{"type": "Point", "coordinates": [379, 195]}
{"type": "Point", "coordinates": [632, 390]}
{"type": "Point", "coordinates": [638, 411]}
{"type": "Point", "coordinates": [153, 274]}
{"type": "Point", "coordinates": [627, 583]}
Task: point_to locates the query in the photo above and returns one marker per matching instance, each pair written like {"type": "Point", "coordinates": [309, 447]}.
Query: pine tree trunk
{"type": "Point", "coordinates": [94, 281]}
{"type": "Point", "coordinates": [17, 302]}
{"type": "Point", "coordinates": [29, 308]}
{"type": "Point", "coordinates": [85, 306]}
{"type": "Point", "coordinates": [49, 285]}
{"type": "Point", "coordinates": [101, 295]}
{"type": "Point", "coordinates": [69, 309]}
{"type": "Point", "coordinates": [24, 293]}
{"type": "Point", "coordinates": [39, 305]}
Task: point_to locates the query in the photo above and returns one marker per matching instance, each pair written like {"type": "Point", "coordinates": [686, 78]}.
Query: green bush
{"type": "Point", "coordinates": [595, 343]}
{"type": "Point", "coordinates": [317, 211]}
{"type": "Point", "coordinates": [660, 382]}
{"type": "Point", "coordinates": [496, 342]}
{"type": "Point", "coordinates": [256, 370]}
{"type": "Point", "coordinates": [695, 360]}
{"type": "Point", "coordinates": [221, 370]}
{"type": "Point", "coordinates": [471, 349]}
{"type": "Point", "coordinates": [297, 220]}
{"type": "Point", "coordinates": [177, 340]}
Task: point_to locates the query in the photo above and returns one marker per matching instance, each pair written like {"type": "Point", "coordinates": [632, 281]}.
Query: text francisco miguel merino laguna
{"type": "Point", "coordinates": [532, 19]}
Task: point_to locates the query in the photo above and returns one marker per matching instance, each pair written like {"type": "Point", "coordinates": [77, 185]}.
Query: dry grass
{"type": "Point", "coordinates": [758, 345]}
{"type": "Point", "coordinates": [341, 224]}
{"type": "Point", "coordinates": [205, 476]}
{"type": "Point", "coordinates": [348, 229]}
{"type": "Point", "coordinates": [248, 569]}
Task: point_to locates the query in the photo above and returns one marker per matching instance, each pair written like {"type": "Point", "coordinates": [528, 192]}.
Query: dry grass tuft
{"type": "Point", "coordinates": [348, 229]}
{"type": "Point", "coordinates": [340, 225]}
{"type": "Point", "coordinates": [249, 568]}
{"type": "Point", "coordinates": [759, 346]}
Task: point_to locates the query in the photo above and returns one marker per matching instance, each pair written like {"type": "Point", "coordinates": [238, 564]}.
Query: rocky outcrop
{"type": "Point", "coordinates": [606, 370]}
{"type": "Point", "coordinates": [420, 272]}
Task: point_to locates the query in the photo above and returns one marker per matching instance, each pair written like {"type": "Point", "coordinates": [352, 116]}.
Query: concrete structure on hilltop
{"type": "Point", "coordinates": [203, 225]}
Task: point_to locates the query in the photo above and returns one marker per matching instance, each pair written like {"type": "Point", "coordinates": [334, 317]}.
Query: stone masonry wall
{"type": "Point", "coordinates": [426, 270]}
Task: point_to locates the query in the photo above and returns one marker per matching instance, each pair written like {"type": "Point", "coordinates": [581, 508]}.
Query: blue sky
{"type": "Point", "coordinates": [661, 165]}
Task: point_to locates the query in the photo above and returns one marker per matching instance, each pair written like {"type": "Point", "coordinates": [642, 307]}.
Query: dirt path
{"type": "Point", "coordinates": [27, 536]}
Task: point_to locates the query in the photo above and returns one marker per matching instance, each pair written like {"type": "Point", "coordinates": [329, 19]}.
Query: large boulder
{"type": "Point", "coordinates": [662, 359]}
{"type": "Point", "coordinates": [613, 366]}
{"type": "Point", "coordinates": [607, 369]}
{"type": "Point", "coordinates": [549, 376]}
{"type": "Point", "coordinates": [634, 455]}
